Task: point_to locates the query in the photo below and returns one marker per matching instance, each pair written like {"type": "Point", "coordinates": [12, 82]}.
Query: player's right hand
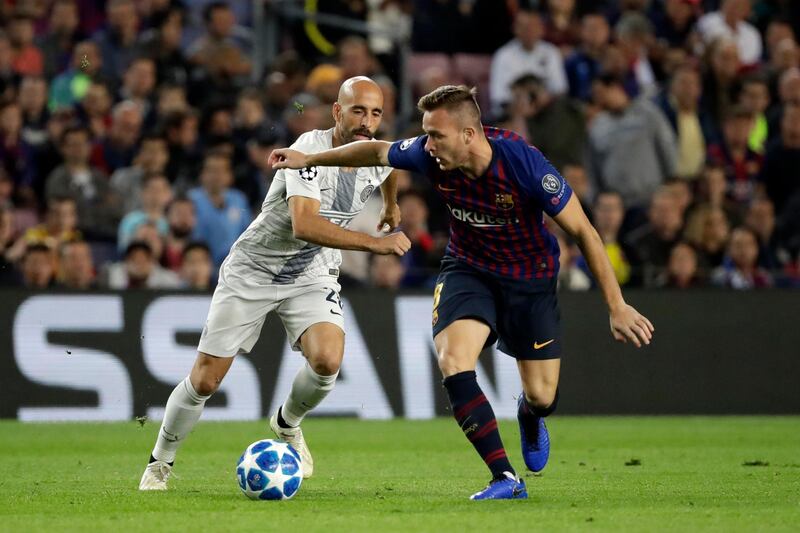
{"type": "Point", "coordinates": [287, 158]}
{"type": "Point", "coordinates": [396, 243]}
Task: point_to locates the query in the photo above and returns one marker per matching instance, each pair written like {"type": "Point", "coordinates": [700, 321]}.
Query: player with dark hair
{"type": "Point", "coordinates": [498, 276]}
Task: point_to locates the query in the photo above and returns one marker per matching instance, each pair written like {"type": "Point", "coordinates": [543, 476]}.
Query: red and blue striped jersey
{"type": "Point", "coordinates": [497, 220]}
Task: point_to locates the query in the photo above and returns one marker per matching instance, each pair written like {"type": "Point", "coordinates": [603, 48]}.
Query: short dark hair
{"type": "Point", "coordinates": [208, 11]}
{"type": "Point", "coordinates": [138, 245]}
{"type": "Point", "coordinates": [36, 246]}
{"type": "Point", "coordinates": [451, 98]}
{"type": "Point", "coordinates": [75, 128]}
{"type": "Point", "coordinates": [179, 199]}
{"type": "Point", "coordinates": [736, 112]}
{"type": "Point", "coordinates": [195, 245]}
{"type": "Point", "coordinates": [154, 176]}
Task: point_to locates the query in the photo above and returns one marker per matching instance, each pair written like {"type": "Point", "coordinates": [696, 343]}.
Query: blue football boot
{"type": "Point", "coordinates": [508, 487]}
{"type": "Point", "coordinates": [536, 447]}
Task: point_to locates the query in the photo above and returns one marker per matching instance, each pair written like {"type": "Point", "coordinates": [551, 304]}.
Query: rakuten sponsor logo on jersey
{"type": "Point", "coordinates": [480, 220]}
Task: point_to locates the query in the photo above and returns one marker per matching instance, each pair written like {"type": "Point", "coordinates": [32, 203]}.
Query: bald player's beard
{"type": "Point", "coordinates": [351, 135]}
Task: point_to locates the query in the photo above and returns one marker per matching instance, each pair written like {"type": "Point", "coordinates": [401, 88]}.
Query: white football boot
{"type": "Point", "coordinates": [155, 476]}
{"type": "Point", "coordinates": [294, 436]}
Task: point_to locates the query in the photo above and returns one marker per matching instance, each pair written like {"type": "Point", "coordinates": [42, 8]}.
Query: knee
{"type": "Point", "coordinates": [205, 383]}
{"type": "Point", "coordinates": [541, 393]}
{"type": "Point", "coordinates": [450, 363]}
{"type": "Point", "coordinates": [325, 362]}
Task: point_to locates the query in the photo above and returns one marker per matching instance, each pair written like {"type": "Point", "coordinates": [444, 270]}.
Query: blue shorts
{"type": "Point", "coordinates": [523, 315]}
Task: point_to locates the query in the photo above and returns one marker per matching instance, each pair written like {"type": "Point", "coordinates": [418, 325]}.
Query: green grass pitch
{"type": "Point", "coordinates": [605, 473]}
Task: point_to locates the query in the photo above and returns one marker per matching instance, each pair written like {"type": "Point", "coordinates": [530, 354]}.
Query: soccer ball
{"type": "Point", "coordinates": [269, 470]}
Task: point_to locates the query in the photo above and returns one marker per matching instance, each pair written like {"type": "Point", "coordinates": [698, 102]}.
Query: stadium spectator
{"type": "Point", "coordinates": [117, 149]}
{"type": "Point", "coordinates": [138, 85]}
{"type": "Point", "coordinates": [71, 86]}
{"type": "Point", "coordinates": [16, 155]}
{"type": "Point", "coordinates": [60, 225]}
{"type": "Point", "coordinates": [571, 277]}
{"type": "Point", "coordinates": [761, 219]}
{"type": "Point", "coordinates": [61, 36]}
{"type": "Point", "coordinates": [355, 58]}
{"type": "Point", "coordinates": [740, 269]}
{"type": "Point", "coordinates": [730, 22]}
{"type": "Point", "coordinates": [162, 43]}
{"type": "Point", "coordinates": [579, 181]}
{"type": "Point", "coordinates": [117, 41]}
{"type": "Point", "coordinates": [708, 230]}
{"type": "Point", "coordinates": [741, 164]}
{"type": "Point", "coordinates": [719, 81]}
{"type": "Point", "coordinates": [76, 266]}
{"type": "Point", "coordinates": [151, 158]}
{"type": "Point", "coordinates": [527, 53]}
{"type": "Point", "coordinates": [631, 145]}
{"type": "Point", "coordinates": [222, 212]}
{"type": "Point", "coordinates": [95, 109]}
{"type": "Point", "coordinates": [782, 161]}
{"type": "Point", "coordinates": [156, 195]}
{"type": "Point", "coordinates": [98, 205]}
{"type": "Point", "coordinates": [182, 222]}
{"type": "Point", "coordinates": [181, 130]}
{"type": "Point", "coordinates": [32, 100]}
{"type": "Point", "coordinates": [386, 271]}
{"type": "Point", "coordinates": [256, 174]}
{"type": "Point", "coordinates": [553, 123]}
{"type": "Point", "coordinates": [28, 59]}
{"type": "Point", "coordinates": [171, 99]}
{"type": "Point", "coordinates": [674, 23]}
{"type": "Point", "coordinates": [221, 53]}
{"type": "Point", "coordinates": [755, 99]}
{"type": "Point", "coordinates": [9, 276]}
{"type": "Point", "coordinates": [609, 212]}
{"type": "Point", "coordinates": [304, 114]}
{"type": "Point", "coordinates": [196, 267]}
{"type": "Point", "coordinates": [634, 35]}
{"type": "Point", "coordinates": [583, 65]}
{"type": "Point", "coordinates": [650, 245]}
{"type": "Point", "coordinates": [139, 270]}
{"type": "Point", "coordinates": [691, 124]}
{"type": "Point", "coordinates": [38, 267]}
{"type": "Point", "coordinates": [561, 25]}
{"type": "Point", "coordinates": [682, 269]}
{"type": "Point", "coordinates": [324, 81]}
{"type": "Point", "coordinates": [420, 261]}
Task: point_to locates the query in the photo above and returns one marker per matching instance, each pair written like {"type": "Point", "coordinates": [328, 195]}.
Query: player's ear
{"type": "Point", "coordinates": [337, 111]}
{"type": "Point", "coordinates": [468, 134]}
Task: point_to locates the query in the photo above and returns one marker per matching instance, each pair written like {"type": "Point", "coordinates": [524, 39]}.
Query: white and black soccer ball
{"type": "Point", "coordinates": [269, 470]}
{"type": "Point", "coordinates": [308, 173]}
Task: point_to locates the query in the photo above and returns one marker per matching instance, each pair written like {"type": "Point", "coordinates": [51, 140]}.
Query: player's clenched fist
{"type": "Point", "coordinates": [396, 243]}
{"type": "Point", "coordinates": [287, 158]}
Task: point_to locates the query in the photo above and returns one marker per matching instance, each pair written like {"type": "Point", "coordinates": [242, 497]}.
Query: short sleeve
{"type": "Point", "coordinates": [542, 182]}
{"type": "Point", "coordinates": [410, 154]}
{"type": "Point", "coordinates": [303, 182]}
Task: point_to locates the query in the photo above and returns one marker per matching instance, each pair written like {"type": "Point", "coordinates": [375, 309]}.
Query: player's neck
{"type": "Point", "coordinates": [479, 158]}
{"type": "Point", "coordinates": [336, 139]}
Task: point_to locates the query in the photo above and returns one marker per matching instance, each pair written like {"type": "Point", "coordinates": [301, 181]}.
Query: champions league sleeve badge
{"type": "Point", "coordinates": [308, 173]}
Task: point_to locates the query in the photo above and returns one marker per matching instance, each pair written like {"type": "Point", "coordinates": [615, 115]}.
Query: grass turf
{"type": "Point", "coordinates": [681, 474]}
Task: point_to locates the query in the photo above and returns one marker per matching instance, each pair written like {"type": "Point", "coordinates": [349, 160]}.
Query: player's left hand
{"type": "Point", "coordinates": [287, 158]}
{"type": "Point", "coordinates": [390, 216]}
{"type": "Point", "coordinates": [627, 324]}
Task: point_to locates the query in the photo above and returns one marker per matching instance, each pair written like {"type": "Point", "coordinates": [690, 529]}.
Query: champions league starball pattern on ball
{"type": "Point", "coordinates": [269, 470]}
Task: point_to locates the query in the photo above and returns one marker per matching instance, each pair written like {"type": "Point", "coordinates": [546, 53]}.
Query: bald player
{"type": "Point", "coordinates": [287, 261]}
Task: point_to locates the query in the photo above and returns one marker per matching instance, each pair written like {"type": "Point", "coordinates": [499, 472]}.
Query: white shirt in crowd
{"type": "Point", "coordinates": [512, 61]}
{"type": "Point", "coordinates": [748, 40]}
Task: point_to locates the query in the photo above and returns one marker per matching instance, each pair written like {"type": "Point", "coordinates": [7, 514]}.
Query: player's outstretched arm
{"type": "Point", "coordinates": [390, 213]}
{"type": "Point", "coordinates": [310, 226]}
{"type": "Point", "coordinates": [355, 154]}
{"type": "Point", "coordinates": [626, 322]}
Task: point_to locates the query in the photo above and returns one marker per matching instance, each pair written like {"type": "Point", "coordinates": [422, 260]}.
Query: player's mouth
{"type": "Point", "coordinates": [362, 136]}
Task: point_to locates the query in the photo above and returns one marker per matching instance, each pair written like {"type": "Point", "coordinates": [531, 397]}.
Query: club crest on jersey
{"type": "Point", "coordinates": [366, 192]}
{"type": "Point", "coordinates": [504, 201]}
{"type": "Point", "coordinates": [408, 142]}
{"type": "Point", "coordinates": [551, 183]}
{"type": "Point", "coordinates": [309, 173]}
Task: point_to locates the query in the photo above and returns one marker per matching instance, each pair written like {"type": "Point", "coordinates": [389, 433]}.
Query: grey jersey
{"type": "Point", "coordinates": [268, 251]}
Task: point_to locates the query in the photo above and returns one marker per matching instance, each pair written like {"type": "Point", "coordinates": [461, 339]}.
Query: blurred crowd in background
{"type": "Point", "coordinates": [134, 134]}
